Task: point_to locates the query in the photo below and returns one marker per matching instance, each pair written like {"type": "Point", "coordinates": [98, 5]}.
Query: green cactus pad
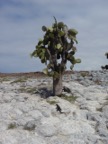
{"type": "Point", "coordinates": [44, 28]}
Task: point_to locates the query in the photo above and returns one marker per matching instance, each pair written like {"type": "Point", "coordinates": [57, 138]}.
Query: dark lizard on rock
{"type": "Point", "coordinates": [58, 108]}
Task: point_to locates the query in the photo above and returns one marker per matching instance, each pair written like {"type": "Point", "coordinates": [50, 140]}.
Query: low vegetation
{"type": "Point", "coordinates": [71, 98]}
{"type": "Point", "coordinates": [99, 109]}
{"type": "Point", "coordinates": [31, 90]}
{"type": "Point", "coordinates": [19, 80]}
{"type": "Point", "coordinates": [4, 79]}
{"type": "Point", "coordinates": [52, 102]}
{"type": "Point", "coordinates": [84, 74]}
{"type": "Point", "coordinates": [12, 126]}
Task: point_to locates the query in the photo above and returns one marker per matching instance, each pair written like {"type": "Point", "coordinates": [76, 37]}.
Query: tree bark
{"type": "Point", "coordinates": [57, 85]}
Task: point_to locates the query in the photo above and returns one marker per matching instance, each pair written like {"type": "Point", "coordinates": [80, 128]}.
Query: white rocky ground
{"type": "Point", "coordinates": [27, 117]}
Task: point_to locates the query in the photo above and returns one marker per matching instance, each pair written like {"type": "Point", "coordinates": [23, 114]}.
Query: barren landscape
{"type": "Point", "coordinates": [28, 113]}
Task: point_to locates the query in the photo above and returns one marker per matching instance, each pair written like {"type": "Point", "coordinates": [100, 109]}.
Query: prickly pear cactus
{"type": "Point", "coordinates": [56, 48]}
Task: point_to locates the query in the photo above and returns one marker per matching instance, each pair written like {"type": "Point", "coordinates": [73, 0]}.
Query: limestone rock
{"type": "Point", "coordinates": [28, 111]}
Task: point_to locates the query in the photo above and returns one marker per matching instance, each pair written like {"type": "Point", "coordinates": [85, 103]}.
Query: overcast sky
{"type": "Point", "coordinates": [20, 29]}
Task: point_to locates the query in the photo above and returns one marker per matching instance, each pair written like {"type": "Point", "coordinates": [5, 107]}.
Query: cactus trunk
{"type": "Point", "coordinates": [57, 85]}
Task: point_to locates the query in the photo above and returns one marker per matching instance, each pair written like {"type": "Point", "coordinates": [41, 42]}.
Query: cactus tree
{"type": "Point", "coordinates": [55, 49]}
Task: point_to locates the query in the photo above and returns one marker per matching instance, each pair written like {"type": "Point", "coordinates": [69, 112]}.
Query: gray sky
{"type": "Point", "coordinates": [20, 29]}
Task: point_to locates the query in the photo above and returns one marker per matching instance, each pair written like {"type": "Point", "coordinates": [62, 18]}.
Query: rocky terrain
{"type": "Point", "coordinates": [28, 112]}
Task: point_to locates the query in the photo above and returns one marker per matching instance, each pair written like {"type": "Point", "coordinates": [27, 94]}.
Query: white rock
{"type": "Point", "coordinates": [28, 119]}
